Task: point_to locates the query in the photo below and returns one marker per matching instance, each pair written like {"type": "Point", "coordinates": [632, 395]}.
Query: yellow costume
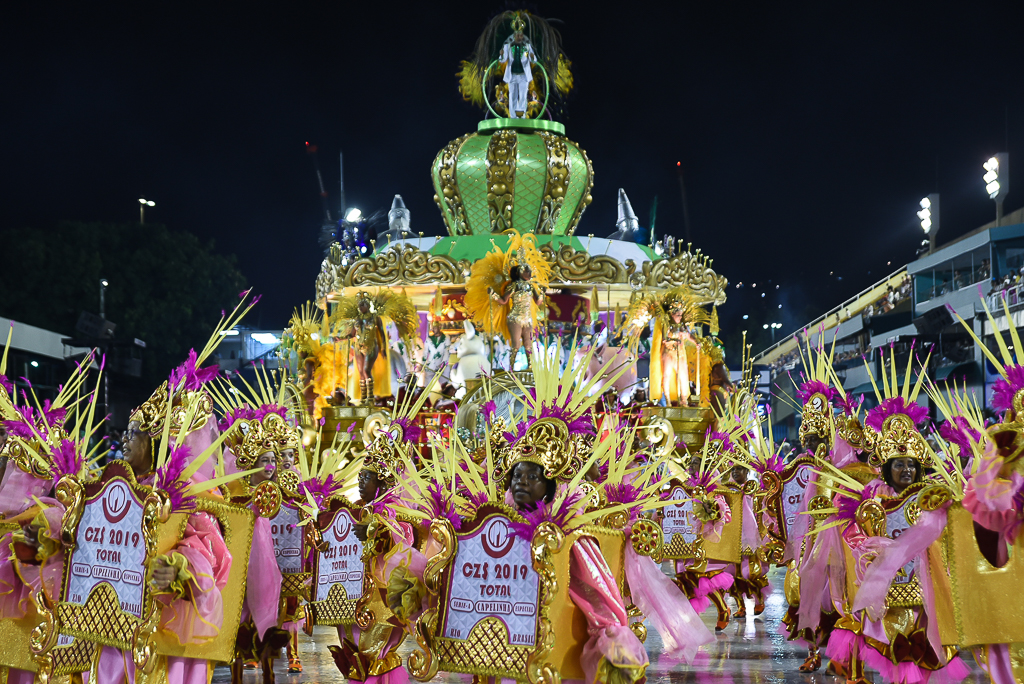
{"type": "Point", "coordinates": [368, 329]}
{"type": "Point", "coordinates": [669, 337]}
{"type": "Point", "coordinates": [492, 274]}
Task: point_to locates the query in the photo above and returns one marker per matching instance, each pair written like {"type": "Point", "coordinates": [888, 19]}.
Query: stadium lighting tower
{"type": "Point", "coordinates": [997, 180]}
{"type": "Point", "coordinates": [929, 215]}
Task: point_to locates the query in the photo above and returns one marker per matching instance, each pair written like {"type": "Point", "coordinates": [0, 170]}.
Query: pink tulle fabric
{"type": "Point", "coordinates": [262, 580]}
{"type": "Point", "coordinates": [17, 490]}
{"type": "Point", "coordinates": [823, 566]}
{"type": "Point", "coordinates": [751, 538]}
{"type": "Point", "coordinates": [658, 598]}
{"type": "Point", "coordinates": [593, 589]}
{"type": "Point", "coordinates": [990, 498]}
{"type": "Point", "coordinates": [14, 593]}
{"type": "Point", "coordinates": [910, 545]}
{"type": "Point", "coordinates": [117, 667]}
{"type": "Point", "coordinates": [200, 615]}
{"type": "Point", "coordinates": [197, 443]}
{"type": "Point", "coordinates": [843, 454]}
{"type": "Point", "coordinates": [999, 666]}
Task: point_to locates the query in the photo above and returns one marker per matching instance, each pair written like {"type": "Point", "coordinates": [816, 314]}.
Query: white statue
{"type": "Point", "coordinates": [472, 357]}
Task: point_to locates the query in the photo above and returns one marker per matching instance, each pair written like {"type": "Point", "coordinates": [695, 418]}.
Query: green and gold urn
{"type": "Point", "coordinates": [513, 173]}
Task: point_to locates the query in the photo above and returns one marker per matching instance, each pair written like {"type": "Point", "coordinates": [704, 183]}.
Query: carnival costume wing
{"type": "Point", "coordinates": [492, 273]}
{"type": "Point", "coordinates": [488, 274]}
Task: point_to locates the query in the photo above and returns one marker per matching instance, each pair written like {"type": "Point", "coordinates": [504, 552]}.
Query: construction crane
{"type": "Point", "coordinates": [311, 151]}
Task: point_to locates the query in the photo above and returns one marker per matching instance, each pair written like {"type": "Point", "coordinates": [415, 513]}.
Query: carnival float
{"type": "Point", "coordinates": [486, 444]}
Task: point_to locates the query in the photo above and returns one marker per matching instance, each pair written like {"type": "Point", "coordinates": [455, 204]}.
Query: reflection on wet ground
{"type": "Point", "coordinates": [750, 650]}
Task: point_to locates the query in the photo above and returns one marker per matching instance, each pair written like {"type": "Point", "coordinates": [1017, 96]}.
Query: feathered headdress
{"type": "Point", "coordinates": [1008, 392]}
{"type": "Point", "coordinates": [185, 390]}
{"type": "Point", "coordinates": [556, 429]}
{"type": "Point", "coordinates": [398, 440]}
{"type": "Point", "coordinates": [895, 421]}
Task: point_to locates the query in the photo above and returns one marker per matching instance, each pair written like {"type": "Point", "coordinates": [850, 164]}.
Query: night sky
{"type": "Point", "coordinates": [807, 131]}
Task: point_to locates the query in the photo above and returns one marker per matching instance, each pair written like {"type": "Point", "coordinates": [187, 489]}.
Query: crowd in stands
{"type": "Point", "coordinates": [890, 300]}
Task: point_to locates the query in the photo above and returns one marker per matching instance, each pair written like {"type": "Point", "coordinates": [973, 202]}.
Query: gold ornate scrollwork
{"type": "Point", "coordinates": [314, 537]}
{"type": "Point", "coordinates": [69, 493]}
{"type": "Point", "coordinates": [659, 433]}
{"type": "Point", "coordinates": [364, 616]}
{"type": "Point", "coordinates": [423, 663]}
{"type": "Point", "coordinates": [143, 643]}
{"type": "Point", "coordinates": [912, 511]}
{"type": "Point", "coordinates": [557, 179]}
{"type": "Point", "coordinates": [404, 263]}
{"type": "Point", "coordinates": [547, 539]}
{"type": "Point", "coordinates": [156, 509]}
{"type": "Point", "coordinates": [501, 178]}
{"type": "Point", "coordinates": [449, 196]}
{"type": "Point", "coordinates": [691, 269]}
{"type": "Point", "coordinates": [871, 518]}
{"type": "Point", "coordinates": [570, 265]}
{"type": "Point", "coordinates": [44, 635]}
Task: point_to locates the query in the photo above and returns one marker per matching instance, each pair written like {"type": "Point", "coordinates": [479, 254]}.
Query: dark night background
{"type": "Point", "coordinates": [808, 132]}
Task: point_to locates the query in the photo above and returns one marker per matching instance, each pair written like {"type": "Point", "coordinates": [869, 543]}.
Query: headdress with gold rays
{"type": "Point", "coordinates": [895, 420]}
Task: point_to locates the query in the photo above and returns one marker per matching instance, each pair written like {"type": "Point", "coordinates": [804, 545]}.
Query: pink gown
{"type": "Point", "coordinates": [611, 643]}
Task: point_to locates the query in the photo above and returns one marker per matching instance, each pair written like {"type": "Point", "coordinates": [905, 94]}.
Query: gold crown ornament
{"type": "Point", "coordinates": [152, 414]}
{"type": "Point", "coordinates": [894, 421]}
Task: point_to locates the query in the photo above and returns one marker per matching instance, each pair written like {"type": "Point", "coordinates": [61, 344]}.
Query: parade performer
{"type": "Point", "coordinates": [540, 475]}
{"type": "Point", "coordinates": [266, 437]}
{"type": "Point", "coordinates": [517, 41]}
{"type": "Point", "coordinates": [505, 292]}
{"type": "Point", "coordinates": [392, 561]}
{"type": "Point", "coordinates": [896, 636]}
{"type": "Point", "coordinates": [362, 318]}
{"type": "Point", "coordinates": [750, 575]}
{"type": "Point", "coordinates": [815, 564]}
{"type": "Point", "coordinates": [675, 314]}
{"type": "Point", "coordinates": [169, 435]}
{"type": "Point", "coordinates": [993, 493]}
{"type": "Point", "coordinates": [37, 452]}
{"type": "Point", "coordinates": [705, 581]}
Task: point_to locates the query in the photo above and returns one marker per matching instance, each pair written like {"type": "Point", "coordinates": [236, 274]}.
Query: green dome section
{"type": "Point", "coordinates": [530, 179]}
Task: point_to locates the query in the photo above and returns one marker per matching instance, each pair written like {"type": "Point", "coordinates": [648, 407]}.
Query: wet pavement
{"type": "Point", "coordinates": [750, 650]}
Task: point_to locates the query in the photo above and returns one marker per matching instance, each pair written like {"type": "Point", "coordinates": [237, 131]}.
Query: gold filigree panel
{"type": "Point", "coordinates": [692, 269]}
{"type": "Point", "coordinates": [404, 264]}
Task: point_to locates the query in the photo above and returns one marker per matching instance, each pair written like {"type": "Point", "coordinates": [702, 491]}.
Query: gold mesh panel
{"type": "Point", "coordinates": [485, 651]}
{"type": "Point", "coordinates": [296, 584]}
{"type": "Point", "coordinates": [99, 619]}
{"type": "Point", "coordinates": [336, 609]}
{"type": "Point", "coordinates": [905, 595]}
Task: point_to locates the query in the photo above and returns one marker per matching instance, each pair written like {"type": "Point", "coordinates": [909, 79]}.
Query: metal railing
{"type": "Point", "coordinates": [832, 312]}
{"type": "Point", "coordinates": [1014, 296]}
